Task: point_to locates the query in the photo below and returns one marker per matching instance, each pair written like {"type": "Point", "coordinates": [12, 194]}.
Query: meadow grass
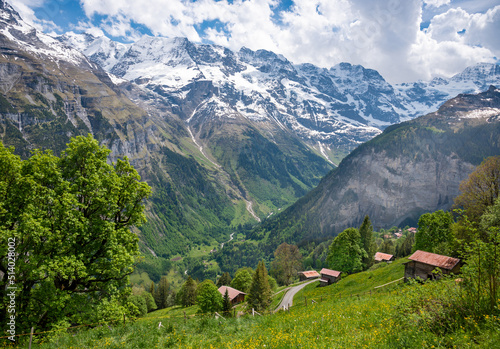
{"type": "Point", "coordinates": [348, 314]}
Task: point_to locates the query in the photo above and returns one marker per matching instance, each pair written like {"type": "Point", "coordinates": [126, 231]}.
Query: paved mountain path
{"type": "Point", "coordinates": [288, 298]}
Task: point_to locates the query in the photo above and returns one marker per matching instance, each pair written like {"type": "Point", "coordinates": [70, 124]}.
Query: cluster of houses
{"type": "Point", "coordinates": [421, 265]}
{"type": "Point", "coordinates": [399, 233]}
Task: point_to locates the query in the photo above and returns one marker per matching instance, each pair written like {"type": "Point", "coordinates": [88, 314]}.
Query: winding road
{"type": "Point", "coordinates": [288, 298]}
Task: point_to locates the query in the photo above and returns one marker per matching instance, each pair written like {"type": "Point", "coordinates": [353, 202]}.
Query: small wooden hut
{"type": "Point", "coordinates": [423, 263]}
{"type": "Point", "coordinates": [383, 257]}
{"type": "Point", "coordinates": [308, 275]}
{"type": "Point", "coordinates": [235, 296]}
{"type": "Point", "coordinates": [329, 276]}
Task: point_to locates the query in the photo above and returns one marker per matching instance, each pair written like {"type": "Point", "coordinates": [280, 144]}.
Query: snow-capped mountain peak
{"type": "Point", "coordinates": [340, 107]}
{"type": "Point", "coordinates": [33, 41]}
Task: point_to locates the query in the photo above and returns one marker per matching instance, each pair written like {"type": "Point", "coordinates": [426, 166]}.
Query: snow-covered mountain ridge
{"type": "Point", "coordinates": [338, 107]}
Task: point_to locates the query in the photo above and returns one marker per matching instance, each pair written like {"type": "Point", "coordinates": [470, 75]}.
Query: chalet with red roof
{"type": "Point", "coordinates": [308, 275]}
{"type": "Point", "coordinates": [329, 276]}
{"type": "Point", "coordinates": [235, 296]}
{"type": "Point", "coordinates": [422, 264]}
{"type": "Point", "coordinates": [383, 257]}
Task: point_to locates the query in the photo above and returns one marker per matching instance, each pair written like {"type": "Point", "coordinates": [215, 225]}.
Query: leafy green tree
{"type": "Point", "coordinates": [188, 292]}
{"type": "Point", "coordinates": [490, 225]}
{"type": "Point", "coordinates": [345, 254]}
{"type": "Point", "coordinates": [481, 189]}
{"type": "Point", "coordinates": [139, 306]}
{"type": "Point", "coordinates": [242, 280]}
{"type": "Point", "coordinates": [208, 297]}
{"type": "Point", "coordinates": [224, 280]}
{"type": "Point", "coordinates": [367, 242]}
{"type": "Point", "coordinates": [69, 220]}
{"type": "Point", "coordinates": [286, 264]}
{"type": "Point", "coordinates": [259, 295]}
{"type": "Point", "coordinates": [150, 301]}
{"type": "Point", "coordinates": [272, 283]}
{"type": "Point", "coordinates": [434, 232]}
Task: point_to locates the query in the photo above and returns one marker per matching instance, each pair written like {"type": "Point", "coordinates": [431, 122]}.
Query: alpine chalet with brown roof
{"type": "Point", "coordinates": [329, 276]}
{"type": "Point", "coordinates": [235, 296]}
{"type": "Point", "coordinates": [308, 275]}
{"type": "Point", "coordinates": [422, 264]}
{"type": "Point", "coordinates": [383, 257]}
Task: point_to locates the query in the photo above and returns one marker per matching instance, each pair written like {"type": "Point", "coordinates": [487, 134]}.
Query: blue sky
{"type": "Point", "coordinates": [404, 40]}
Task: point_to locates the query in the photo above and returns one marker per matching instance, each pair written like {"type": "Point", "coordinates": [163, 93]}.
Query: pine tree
{"type": "Point", "coordinates": [161, 293]}
{"type": "Point", "coordinates": [152, 288]}
{"type": "Point", "coordinates": [367, 242]}
{"type": "Point", "coordinates": [188, 291]}
{"type": "Point", "coordinates": [226, 304]}
{"type": "Point", "coordinates": [224, 280]}
{"type": "Point", "coordinates": [259, 296]}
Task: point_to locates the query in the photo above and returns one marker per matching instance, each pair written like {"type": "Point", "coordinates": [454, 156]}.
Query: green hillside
{"type": "Point", "coordinates": [349, 314]}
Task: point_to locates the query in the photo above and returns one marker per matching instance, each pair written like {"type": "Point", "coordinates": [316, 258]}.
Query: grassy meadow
{"type": "Point", "coordinates": [349, 314]}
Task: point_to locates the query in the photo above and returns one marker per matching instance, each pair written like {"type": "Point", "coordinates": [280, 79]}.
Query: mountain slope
{"type": "Point", "coordinates": [409, 169]}
{"type": "Point", "coordinates": [210, 167]}
{"type": "Point", "coordinates": [50, 93]}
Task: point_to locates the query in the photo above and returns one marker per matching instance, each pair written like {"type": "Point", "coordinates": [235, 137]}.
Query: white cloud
{"type": "Point", "coordinates": [456, 39]}
{"type": "Point", "coordinates": [437, 3]}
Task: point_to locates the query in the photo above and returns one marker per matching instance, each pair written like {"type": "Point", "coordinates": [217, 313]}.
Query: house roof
{"type": "Point", "coordinates": [330, 272]}
{"type": "Point", "coordinates": [435, 260]}
{"type": "Point", "coordinates": [310, 274]}
{"type": "Point", "coordinates": [231, 292]}
{"type": "Point", "coordinates": [379, 256]}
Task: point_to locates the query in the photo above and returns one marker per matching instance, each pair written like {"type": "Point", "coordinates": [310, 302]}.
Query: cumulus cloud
{"type": "Point", "coordinates": [456, 39]}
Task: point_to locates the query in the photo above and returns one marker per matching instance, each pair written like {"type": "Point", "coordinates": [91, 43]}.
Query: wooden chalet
{"type": "Point", "coordinates": [329, 276]}
{"type": "Point", "coordinates": [235, 296]}
{"type": "Point", "coordinates": [383, 257]}
{"type": "Point", "coordinates": [308, 275]}
{"type": "Point", "coordinates": [422, 264]}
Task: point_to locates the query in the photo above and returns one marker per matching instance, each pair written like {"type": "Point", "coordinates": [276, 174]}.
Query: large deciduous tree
{"type": "Point", "coordinates": [434, 232]}
{"type": "Point", "coordinates": [286, 264]}
{"type": "Point", "coordinates": [345, 253]}
{"type": "Point", "coordinates": [242, 280]}
{"type": "Point", "coordinates": [481, 189]}
{"type": "Point", "coordinates": [208, 297]}
{"type": "Point", "coordinates": [70, 220]}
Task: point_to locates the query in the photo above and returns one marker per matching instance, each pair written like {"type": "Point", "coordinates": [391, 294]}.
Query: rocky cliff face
{"type": "Point", "coordinates": [411, 168]}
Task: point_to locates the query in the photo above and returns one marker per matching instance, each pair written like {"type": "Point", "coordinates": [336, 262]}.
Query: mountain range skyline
{"type": "Point", "coordinates": [403, 40]}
